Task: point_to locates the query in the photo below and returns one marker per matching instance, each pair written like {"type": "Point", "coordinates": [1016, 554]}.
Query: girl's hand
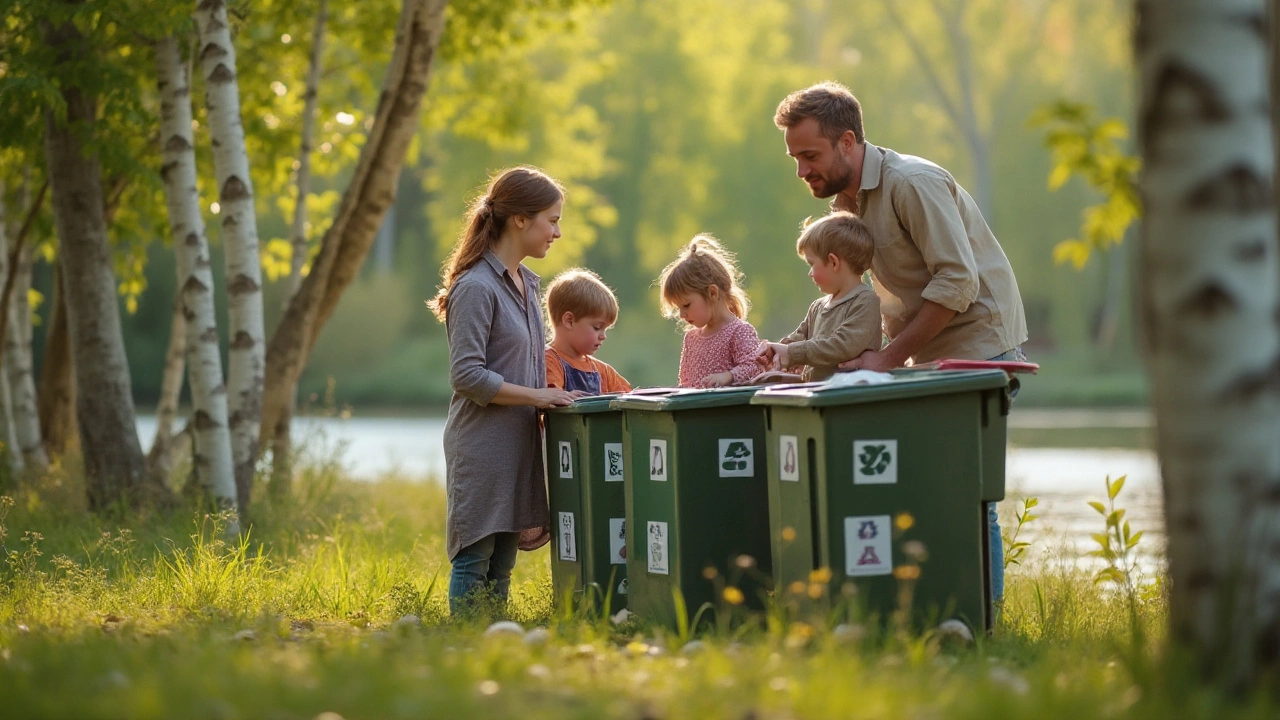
{"type": "Point", "coordinates": [554, 397]}
{"type": "Point", "coordinates": [716, 380]}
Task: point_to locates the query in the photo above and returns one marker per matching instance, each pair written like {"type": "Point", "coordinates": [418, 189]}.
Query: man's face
{"type": "Point", "coordinates": [819, 163]}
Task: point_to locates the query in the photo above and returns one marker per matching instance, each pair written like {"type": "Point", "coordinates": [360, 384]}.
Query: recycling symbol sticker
{"type": "Point", "coordinates": [875, 462]}
{"type": "Point", "coordinates": [737, 457]}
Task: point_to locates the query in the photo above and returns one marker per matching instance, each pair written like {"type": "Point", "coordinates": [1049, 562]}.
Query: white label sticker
{"type": "Point", "coordinates": [618, 541]}
{"type": "Point", "coordinates": [613, 462]}
{"type": "Point", "coordinates": [657, 542]}
{"type": "Point", "coordinates": [867, 546]}
{"type": "Point", "coordinates": [622, 587]}
{"type": "Point", "coordinates": [658, 460]}
{"type": "Point", "coordinates": [737, 457]}
{"type": "Point", "coordinates": [568, 539]}
{"type": "Point", "coordinates": [789, 458]}
{"type": "Point", "coordinates": [875, 462]}
{"type": "Point", "coordinates": [566, 460]}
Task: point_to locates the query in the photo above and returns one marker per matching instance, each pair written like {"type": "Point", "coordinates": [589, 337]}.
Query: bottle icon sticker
{"type": "Point", "coordinates": [566, 460]}
{"type": "Point", "coordinates": [568, 541]}
{"type": "Point", "coordinates": [875, 462]}
{"type": "Point", "coordinates": [868, 548]}
{"type": "Point", "coordinates": [788, 458]}
{"type": "Point", "coordinates": [658, 460]}
{"type": "Point", "coordinates": [613, 462]}
{"type": "Point", "coordinates": [657, 544]}
{"type": "Point", "coordinates": [618, 541]}
{"type": "Point", "coordinates": [737, 457]}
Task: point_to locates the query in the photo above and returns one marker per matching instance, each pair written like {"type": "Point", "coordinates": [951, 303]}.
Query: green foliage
{"type": "Point", "coordinates": [1088, 148]}
{"type": "Point", "coordinates": [1116, 543]}
{"type": "Point", "coordinates": [1014, 549]}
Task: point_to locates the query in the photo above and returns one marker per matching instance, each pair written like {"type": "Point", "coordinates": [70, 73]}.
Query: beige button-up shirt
{"type": "Point", "coordinates": [932, 244]}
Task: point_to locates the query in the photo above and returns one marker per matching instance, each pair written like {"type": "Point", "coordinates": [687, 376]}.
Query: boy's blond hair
{"type": "Point", "coordinates": [583, 293]}
{"type": "Point", "coordinates": [842, 234]}
{"type": "Point", "coordinates": [703, 264]}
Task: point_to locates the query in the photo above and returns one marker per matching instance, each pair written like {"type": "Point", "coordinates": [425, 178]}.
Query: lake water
{"type": "Point", "coordinates": [1059, 456]}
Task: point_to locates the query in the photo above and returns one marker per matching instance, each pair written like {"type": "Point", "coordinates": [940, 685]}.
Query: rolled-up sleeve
{"type": "Point", "coordinates": [927, 209]}
{"type": "Point", "coordinates": [469, 319]}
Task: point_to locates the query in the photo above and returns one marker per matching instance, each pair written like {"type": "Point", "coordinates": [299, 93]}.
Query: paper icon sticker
{"type": "Point", "coordinates": [875, 462]}
{"type": "Point", "coordinates": [789, 458]}
{"type": "Point", "coordinates": [657, 543]}
{"type": "Point", "coordinates": [568, 538]}
{"type": "Point", "coordinates": [737, 457]}
{"type": "Point", "coordinates": [613, 462]}
{"type": "Point", "coordinates": [868, 549]}
{"type": "Point", "coordinates": [617, 541]}
{"type": "Point", "coordinates": [622, 587]}
{"type": "Point", "coordinates": [566, 460]}
{"type": "Point", "coordinates": [658, 460]}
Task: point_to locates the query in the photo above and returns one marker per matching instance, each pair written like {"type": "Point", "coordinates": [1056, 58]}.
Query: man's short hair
{"type": "Point", "coordinates": [830, 103]}
{"type": "Point", "coordinates": [583, 293]}
{"type": "Point", "coordinates": [842, 234]}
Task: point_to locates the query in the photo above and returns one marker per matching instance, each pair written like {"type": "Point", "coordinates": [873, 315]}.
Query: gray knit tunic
{"type": "Point", "coordinates": [493, 453]}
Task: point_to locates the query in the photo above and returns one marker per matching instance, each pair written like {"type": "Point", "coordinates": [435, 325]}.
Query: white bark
{"type": "Point", "coordinates": [158, 459]}
{"type": "Point", "coordinates": [18, 367]}
{"type": "Point", "coordinates": [212, 458]}
{"type": "Point", "coordinates": [6, 397]}
{"type": "Point", "coordinates": [1209, 308]}
{"type": "Point", "coordinates": [240, 240]}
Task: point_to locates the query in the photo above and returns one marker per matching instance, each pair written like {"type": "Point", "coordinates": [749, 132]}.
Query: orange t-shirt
{"type": "Point", "coordinates": [610, 380]}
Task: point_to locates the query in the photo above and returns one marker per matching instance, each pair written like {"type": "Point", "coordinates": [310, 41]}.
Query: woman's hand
{"type": "Point", "coordinates": [717, 380]}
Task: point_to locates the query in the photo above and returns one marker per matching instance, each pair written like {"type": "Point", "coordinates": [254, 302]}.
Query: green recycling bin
{"type": "Point", "coordinates": [697, 499]}
{"type": "Point", "coordinates": [882, 486]}
{"type": "Point", "coordinates": [585, 490]}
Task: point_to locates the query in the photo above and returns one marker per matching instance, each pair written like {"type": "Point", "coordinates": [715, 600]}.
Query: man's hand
{"type": "Point", "coordinates": [876, 360]}
{"type": "Point", "coordinates": [716, 380]}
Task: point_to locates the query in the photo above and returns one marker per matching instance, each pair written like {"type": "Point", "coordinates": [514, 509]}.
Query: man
{"type": "Point", "coordinates": [946, 288]}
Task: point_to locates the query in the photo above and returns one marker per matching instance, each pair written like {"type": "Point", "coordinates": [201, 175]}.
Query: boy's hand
{"type": "Point", "coordinates": [780, 356]}
{"type": "Point", "coordinates": [716, 380]}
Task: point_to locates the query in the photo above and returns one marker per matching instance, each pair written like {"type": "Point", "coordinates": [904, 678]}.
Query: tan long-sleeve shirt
{"type": "Point", "coordinates": [833, 332]}
{"type": "Point", "coordinates": [933, 244]}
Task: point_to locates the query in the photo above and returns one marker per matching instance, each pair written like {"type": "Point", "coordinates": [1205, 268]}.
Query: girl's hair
{"type": "Point", "coordinates": [703, 264]}
{"type": "Point", "coordinates": [518, 191]}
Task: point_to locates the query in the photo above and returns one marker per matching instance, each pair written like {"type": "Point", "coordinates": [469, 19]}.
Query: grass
{"type": "Point", "coordinates": [159, 617]}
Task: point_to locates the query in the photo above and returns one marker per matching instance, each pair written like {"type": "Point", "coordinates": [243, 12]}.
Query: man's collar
{"type": "Point", "coordinates": [872, 160]}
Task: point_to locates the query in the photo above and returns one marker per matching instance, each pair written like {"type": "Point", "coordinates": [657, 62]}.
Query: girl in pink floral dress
{"type": "Point", "coordinates": [701, 288]}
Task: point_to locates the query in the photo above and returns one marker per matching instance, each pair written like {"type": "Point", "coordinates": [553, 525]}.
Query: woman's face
{"type": "Point", "coordinates": [540, 231]}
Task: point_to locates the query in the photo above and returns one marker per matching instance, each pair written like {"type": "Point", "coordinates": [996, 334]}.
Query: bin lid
{"type": "Point", "coordinates": [1009, 366]}
{"type": "Point", "coordinates": [587, 405]}
{"type": "Point", "coordinates": [687, 399]}
{"type": "Point", "coordinates": [902, 386]}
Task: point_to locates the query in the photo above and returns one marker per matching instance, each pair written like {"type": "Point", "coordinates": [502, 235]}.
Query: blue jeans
{"type": "Point", "coordinates": [483, 568]}
{"type": "Point", "coordinates": [993, 519]}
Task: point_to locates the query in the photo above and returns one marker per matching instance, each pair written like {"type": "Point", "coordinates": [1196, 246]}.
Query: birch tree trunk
{"type": "Point", "coordinates": [282, 443]}
{"type": "Point", "coordinates": [12, 448]}
{"type": "Point", "coordinates": [212, 461]}
{"type": "Point", "coordinates": [17, 366]}
{"type": "Point", "coordinates": [364, 203]}
{"type": "Point", "coordinates": [1209, 313]}
{"type": "Point", "coordinates": [104, 405]}
{"type": "Point", "coordinates": [57, 394]}
{"type": "Point", "coordinates": [246, 358]}
{"type": "Point", "coordinates": [158, 458]}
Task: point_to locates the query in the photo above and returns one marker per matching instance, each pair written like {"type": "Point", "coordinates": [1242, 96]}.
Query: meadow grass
{"type": "Point", "coordinates": [160, 616]}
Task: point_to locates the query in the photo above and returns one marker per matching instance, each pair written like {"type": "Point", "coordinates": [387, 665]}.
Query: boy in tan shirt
{"type": "Point", "coordinates": [846, 321]}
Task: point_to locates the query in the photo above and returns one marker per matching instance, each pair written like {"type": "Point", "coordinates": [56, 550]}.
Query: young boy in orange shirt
{"type": "Point", "coordinates": [580, 310]}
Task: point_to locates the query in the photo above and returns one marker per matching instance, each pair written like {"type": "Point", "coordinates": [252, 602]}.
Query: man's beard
{"type": "Point", "coordinates": [841, 178]}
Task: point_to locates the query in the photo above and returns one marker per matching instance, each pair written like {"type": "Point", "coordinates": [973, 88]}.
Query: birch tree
{"type": "Point", "coordinates": [212, 456]}
{"type": "Point", "coordinates": [6, 400]}
{"type": "Point", "coordinates": [104, 404]}
{"type": "Point", "coordinates": [1209, 314]}
{"type": "Point", "coordinates": [282, 443]}
{"type": "Point", "coordinates": [240, 239]}
{"type": "Point", "coordinates": [17, 366]}
{"type": "Point", "coordinates": [364, 203]}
